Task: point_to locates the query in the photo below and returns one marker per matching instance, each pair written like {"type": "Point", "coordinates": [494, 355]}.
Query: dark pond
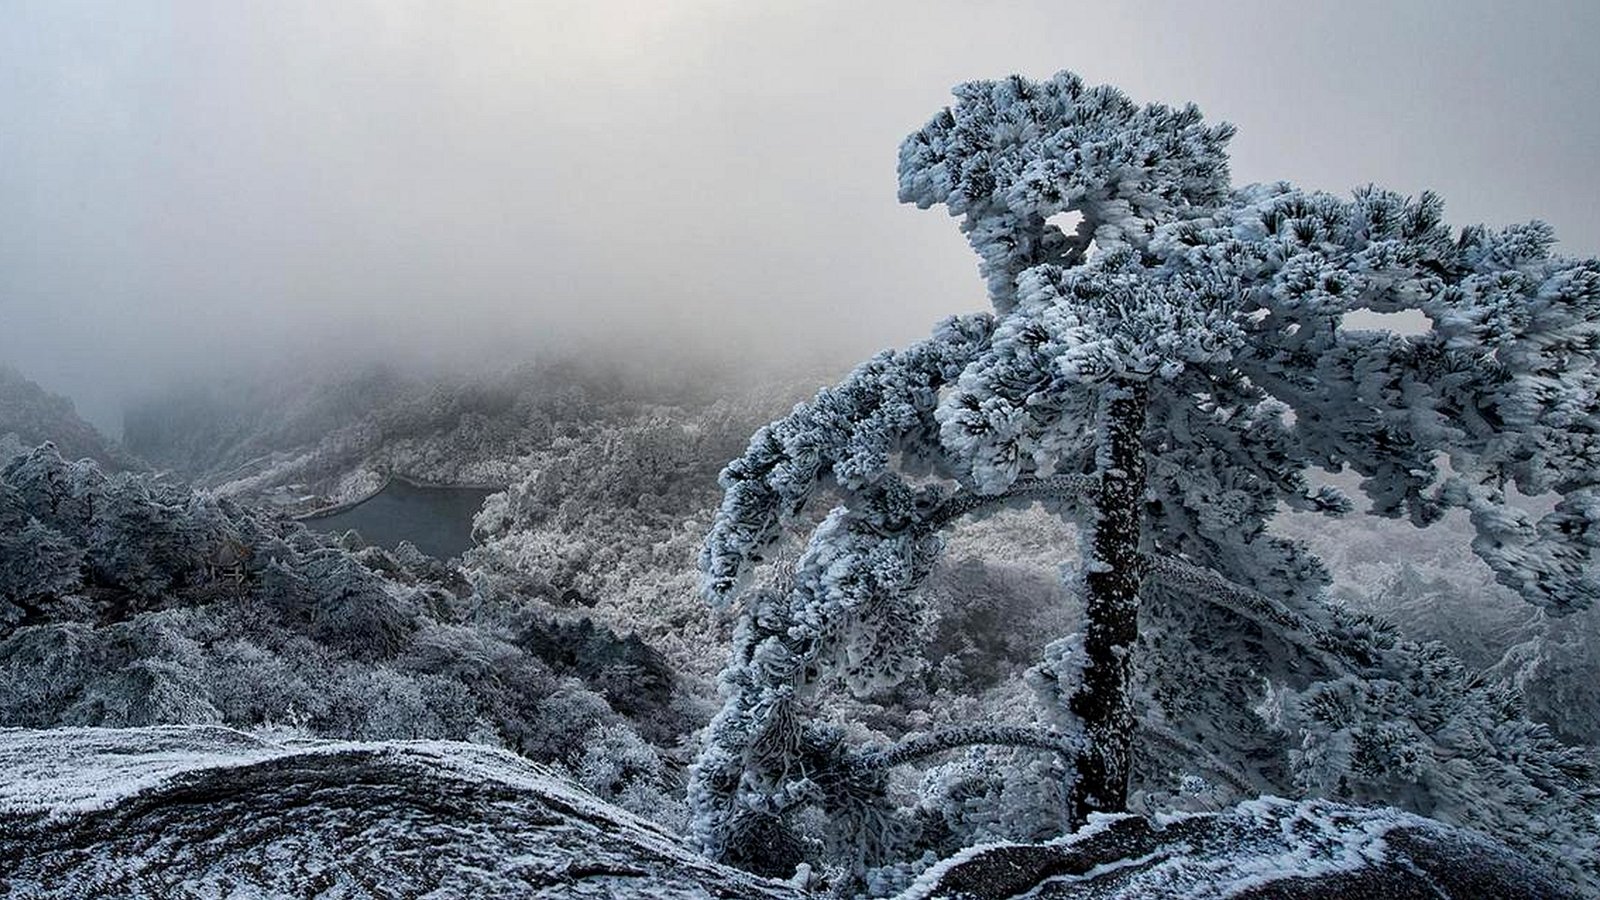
{"type": "Point", "coordinates": [436, 519]}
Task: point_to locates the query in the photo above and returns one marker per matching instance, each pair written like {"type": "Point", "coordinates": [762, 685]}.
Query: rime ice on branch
{"type": "Point", "coordinates": [1167, 375]}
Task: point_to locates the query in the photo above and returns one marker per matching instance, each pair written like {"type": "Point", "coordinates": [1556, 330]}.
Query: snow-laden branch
{"type": "Point", "coordinates": [923, 745]}
{"type": "Point", "coordinates": [1205, 584]}
{"type": "Point", "coordinates": [1208, 585]}
{"type": "Point", "coordinates": [1197, 756]}
{"type": "Point", "coordinates": [1052, 487]}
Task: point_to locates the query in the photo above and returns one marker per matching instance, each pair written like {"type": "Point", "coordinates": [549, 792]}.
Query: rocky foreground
{"type": "Point", "coordinates": [1266, 849]}
{"type": "Point", "coordinates": [200, 811]}
{"type": "Point", "coordinates": [211, 812]}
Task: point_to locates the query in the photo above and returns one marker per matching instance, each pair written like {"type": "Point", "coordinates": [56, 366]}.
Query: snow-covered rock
{"type": "Point", "coordinates": [1266, 848]}
{"type": "Point", "coordinates": [199, 811]}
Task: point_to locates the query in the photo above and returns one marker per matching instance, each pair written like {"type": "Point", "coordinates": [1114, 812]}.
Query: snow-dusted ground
{"type": "Point", "coordinates": [211, 812]}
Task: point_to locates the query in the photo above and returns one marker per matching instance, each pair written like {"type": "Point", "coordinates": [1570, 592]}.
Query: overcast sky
{"type": "Point", "coordinates": [190, 187]}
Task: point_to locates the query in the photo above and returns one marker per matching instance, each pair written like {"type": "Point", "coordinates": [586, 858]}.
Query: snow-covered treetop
{"type": "Point", "coordinates": [1229, 305]}
{"type": "Point", "coordinates": [1012, 153]}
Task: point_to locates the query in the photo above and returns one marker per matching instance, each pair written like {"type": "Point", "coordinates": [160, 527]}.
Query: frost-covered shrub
{"type": "Point", "coordinates": [148, 691]}
{"type": "Point", "coordinates": [253, 685]}
{"type": "Point", "coordinates": [60, 494]}
{"type": "Point", "coordinates": [382, 704]}
{"type": "Point", "coordinates": [42, 667]}
{"type": "Point", "coordinates": [1557, 669]}
{"type": "Point", "coordinates": [137, 541]}
{"type": "Point", "coordinates": [333, 598]}
{"type": "Point", "coordinates": [144, 671]}
{"type": "Point", "coordinates": [633, 678]}
{"type": "Point", "coordinates": [39, 566]}
{"type": "Point", "coordinates": [616, 764]}
{"type": "Point", "coordinates": [554, 727]}
{"type": "Point", "coordinates": [989, 795]}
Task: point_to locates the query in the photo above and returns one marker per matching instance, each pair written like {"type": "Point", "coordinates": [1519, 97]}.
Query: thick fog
{"type": "Point", "coordinates": [186, 189]}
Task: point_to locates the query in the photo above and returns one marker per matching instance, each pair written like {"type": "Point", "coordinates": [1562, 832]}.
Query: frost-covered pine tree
{"type": "Point", "coordinates": [1168, 372]}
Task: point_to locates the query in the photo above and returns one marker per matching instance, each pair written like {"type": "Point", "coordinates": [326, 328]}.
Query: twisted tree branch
{"type": "Point", "coordinates": [1207, 585]}
{"type": "Point", "coordinates": [1051, 487]}
{"type": "Point", "coordinates": [922, 745]}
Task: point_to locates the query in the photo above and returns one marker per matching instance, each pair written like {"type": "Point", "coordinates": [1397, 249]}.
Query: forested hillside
{"type": "Point", "coordinates": [128, 602]}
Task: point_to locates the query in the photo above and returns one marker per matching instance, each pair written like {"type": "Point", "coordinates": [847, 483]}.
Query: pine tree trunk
{"type": "Point", "coordinates": [1103, 702]}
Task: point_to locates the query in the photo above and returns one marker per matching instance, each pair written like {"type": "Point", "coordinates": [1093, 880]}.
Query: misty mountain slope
{"type": "Point", "coordinates": [1266, 848]}
{"type": "Point", "coordinates": [213, 425]}
{"type": "Point", "coordinates": [313, 440]}
{"type": "Point", "coordinates": [30, 415]}
{"type": "Point", "coordinates": [211, 812]}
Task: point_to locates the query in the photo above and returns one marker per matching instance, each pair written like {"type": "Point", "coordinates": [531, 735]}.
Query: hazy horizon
{"type": "Point", "coordinates": [188, 190]}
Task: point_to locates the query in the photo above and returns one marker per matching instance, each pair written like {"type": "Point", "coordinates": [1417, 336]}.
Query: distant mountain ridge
{"type": "Point", "coordinates": [33, 415]}
{"type": "Point", "coordinates": [310, 441]}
